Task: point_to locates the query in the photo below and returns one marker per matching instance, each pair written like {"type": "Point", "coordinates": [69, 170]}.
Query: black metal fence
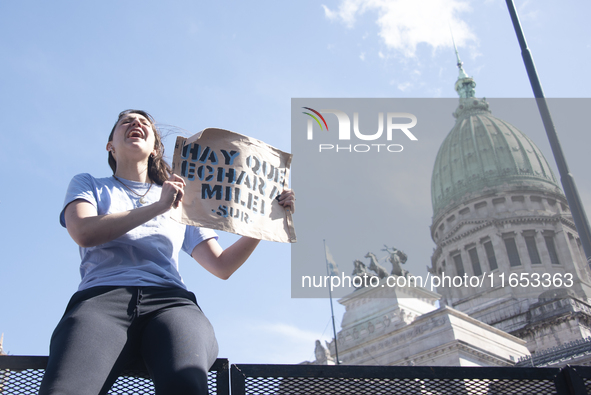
{"type": "Point", "coordinates": [407, 380]}
{"type": "Point", "coordinates": [22, 375]}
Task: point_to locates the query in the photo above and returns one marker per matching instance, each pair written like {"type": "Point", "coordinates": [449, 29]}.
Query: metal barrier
{"type": "Point", "coordinates": [579, 378]}
{"type": "Point", "coordinates": [407, 380]}
{"type": "Point", "coordinates": [21, 375]}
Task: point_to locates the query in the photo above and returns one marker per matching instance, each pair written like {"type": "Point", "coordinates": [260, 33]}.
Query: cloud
{"type": "Point", "coordinates": [270, 342]}
{"type": "Point", "coordinates": [404, 24]}
{"type": "Point", "coordinates": [526, 13]}
{"type": "Point", "coordinates": [291, 332]}
{"type": "Point", "coordinates": [404, 86]}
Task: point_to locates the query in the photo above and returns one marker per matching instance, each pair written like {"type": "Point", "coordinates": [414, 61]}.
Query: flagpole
{"type": "Point", "coordinates": [334, 330]}
{"type": "Point", "coordinates": [566, 177]}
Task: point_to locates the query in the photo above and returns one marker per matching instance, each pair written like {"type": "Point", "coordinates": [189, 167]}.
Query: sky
{"type": "Point", "coordinates": [68, 68]}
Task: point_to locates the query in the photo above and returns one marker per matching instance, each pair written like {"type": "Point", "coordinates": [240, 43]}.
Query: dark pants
{"type": "Point", "coordinates": [106, 328]}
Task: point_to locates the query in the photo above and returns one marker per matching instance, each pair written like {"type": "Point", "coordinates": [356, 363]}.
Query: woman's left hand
{"type": "Point", "coordinates": [172, 192]}
{"type": "Point", "coordinates": [287, 200]}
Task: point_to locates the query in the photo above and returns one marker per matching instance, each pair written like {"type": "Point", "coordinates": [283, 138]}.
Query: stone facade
{"type": "Point", "coordinates": [478, 237]}
{"type": "Point", "coordinates": [406, 328]}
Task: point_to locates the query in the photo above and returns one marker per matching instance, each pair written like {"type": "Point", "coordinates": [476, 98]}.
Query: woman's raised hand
{"type": "Point", "coordinates": [173, 191]}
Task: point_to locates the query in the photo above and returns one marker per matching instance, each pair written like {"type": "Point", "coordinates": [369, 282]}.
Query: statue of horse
{"type": "Point", "coordinates": [396, 258]}
{"type": "Point", "coordinates": [375, 266]}
{"type": "Point", "coordinates": [359, 268]}
{"type": "Point", "coordinates": [360, 271]}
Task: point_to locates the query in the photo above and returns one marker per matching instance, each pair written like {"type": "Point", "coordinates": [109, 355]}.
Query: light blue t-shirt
{"type": "Point", "coordinates": [144, 256]}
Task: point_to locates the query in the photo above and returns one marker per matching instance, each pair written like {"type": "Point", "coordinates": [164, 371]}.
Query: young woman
{"type": "Point", "coordinates": [132, 302]}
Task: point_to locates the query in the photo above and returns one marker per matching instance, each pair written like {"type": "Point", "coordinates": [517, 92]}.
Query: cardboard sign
{"type": "Point", "coordinates": [232, 185]}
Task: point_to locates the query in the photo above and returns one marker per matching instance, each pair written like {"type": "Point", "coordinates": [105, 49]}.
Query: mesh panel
{"type": "Point", "coordinates": [20, 383]}
{"type": "Point", "coordinates": [16, 378]}
{"type": "Point", "coordinates": [136, 383]}
{"type": "Point", "coordinates": [127, 385]}
{"type": "Point", "coordinates": [361, 386]}
{"type": "Point", "coordinates": [212, 382]}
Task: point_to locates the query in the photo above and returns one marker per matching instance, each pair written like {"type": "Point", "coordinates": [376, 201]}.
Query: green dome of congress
{"type": "Point", "coordinates": [482, 151]}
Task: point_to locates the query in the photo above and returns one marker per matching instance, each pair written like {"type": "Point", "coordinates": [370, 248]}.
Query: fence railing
{"type": "Point", "coordinates": [556, 354]}
{"type": "Point", "coordinates": [22, 375]}
{"type": "Point", "coordinates": [408, 380]}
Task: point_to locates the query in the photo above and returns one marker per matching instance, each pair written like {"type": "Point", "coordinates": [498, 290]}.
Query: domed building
{"type": "Point", "coordinates": [500, 216]}
{"type": "Point", "coordinates": [503, 228]}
